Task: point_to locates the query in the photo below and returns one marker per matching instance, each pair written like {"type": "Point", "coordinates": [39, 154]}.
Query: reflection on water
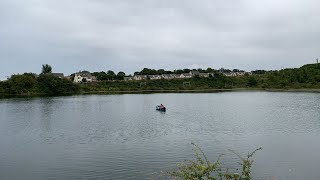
{"type": "Point", "coordinates": [124, 137]}
{"type": "Point", "coordinates": [47, 107]}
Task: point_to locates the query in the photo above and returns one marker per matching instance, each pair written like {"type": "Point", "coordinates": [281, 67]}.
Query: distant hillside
{"type": "Point", "coordinates": [311, 66]}
{"type": "Point", "coordinates": [307, 76]}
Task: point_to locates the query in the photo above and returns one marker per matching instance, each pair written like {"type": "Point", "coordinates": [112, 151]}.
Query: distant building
{"type": "Point", "coordinates": [58, 75]}
{"type": "Point", "coordinates": [177, 76]}
{"type": "Point", "coordinates": [168, 76]}
{"type": "Point", "coordinates": [236, 73]}
{"type": "Point", "coordinates": [79, 76]}
{"type": "Point", "coordinates": [128, 78]}
{"type": "Point", "coordinates": [140, 77]}
{"type": "Point", "coordinates": [185, 75]}
{"type": "Point", "coordinates": [154, 77]}
{"type": "Point", "coordinates": [194, 73]}
{"type": "Point", "coordinates": [68, 77]}
{"type": "Point", "coordinates": [165, 76]}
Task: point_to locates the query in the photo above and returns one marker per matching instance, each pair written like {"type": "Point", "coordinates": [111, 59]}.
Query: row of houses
{"type": "Point", "coordinates": [80, 76]}
{"type": "Point", "coordinates": [168, 76]}
{"type": "Point", "coordinates": [237, 73]}
{"type": "Point", "coordinates": [183, 76]}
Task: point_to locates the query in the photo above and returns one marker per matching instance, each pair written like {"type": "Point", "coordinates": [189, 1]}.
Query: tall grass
{"type": "Point", "coordinates": [202, 169]}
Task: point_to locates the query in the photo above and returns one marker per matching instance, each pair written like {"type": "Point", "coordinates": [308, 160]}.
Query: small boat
{"type": "Point", "coordinates": [158, 108]}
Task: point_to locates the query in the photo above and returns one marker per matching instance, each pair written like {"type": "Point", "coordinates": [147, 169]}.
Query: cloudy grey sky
{"type": "Point", "coordinates": [128, 35]}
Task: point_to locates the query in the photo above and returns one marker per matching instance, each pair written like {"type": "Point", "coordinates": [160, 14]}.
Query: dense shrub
{"type": "Point", "coordinates": [28, 83]}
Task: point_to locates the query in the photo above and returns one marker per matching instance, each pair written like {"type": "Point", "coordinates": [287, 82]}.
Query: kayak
{"type": "Point", "coordinates": [158, 108]}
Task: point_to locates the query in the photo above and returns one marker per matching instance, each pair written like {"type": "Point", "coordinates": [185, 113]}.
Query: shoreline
{"type": "Point", "coordinates": [204, 91]}
{"type": "Point", "coordinates": [167, 91]}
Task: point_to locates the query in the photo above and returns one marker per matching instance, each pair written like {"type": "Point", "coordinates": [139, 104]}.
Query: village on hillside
{"type": "Point", "coordinates": [182, 76]}
{"type": "Point", "coordinates": [86, 76]}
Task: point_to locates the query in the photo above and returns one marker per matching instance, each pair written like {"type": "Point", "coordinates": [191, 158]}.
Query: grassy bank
{"type": "Point", "coordinates": [203, 91]}
{"type": "Point", "coordinates": [163, 91]}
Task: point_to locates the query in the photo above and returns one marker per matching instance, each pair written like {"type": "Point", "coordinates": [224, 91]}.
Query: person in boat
{"type": "Point", "coordinates": [161, 106]}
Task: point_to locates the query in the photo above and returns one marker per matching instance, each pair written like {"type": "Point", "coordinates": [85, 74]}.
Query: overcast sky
{"type": "Point", "coordinates": [98, 35]}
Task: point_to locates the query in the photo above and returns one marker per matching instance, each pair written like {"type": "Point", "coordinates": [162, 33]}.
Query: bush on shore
{"type": "Point", "coordinates": [202, 168]}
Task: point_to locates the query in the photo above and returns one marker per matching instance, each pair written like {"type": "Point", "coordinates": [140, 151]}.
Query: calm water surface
{"type": "Point", "coordinates": [124, 137]}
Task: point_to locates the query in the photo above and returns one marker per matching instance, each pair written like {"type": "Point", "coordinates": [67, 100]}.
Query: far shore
{"type": "Point", "coordinates": [204, 91]}
{"type": "Point", "coordinates": [170, 91]}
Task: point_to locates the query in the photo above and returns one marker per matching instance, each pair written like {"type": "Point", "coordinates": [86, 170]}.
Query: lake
{"type": "Point", "coordinates": [124, 137]}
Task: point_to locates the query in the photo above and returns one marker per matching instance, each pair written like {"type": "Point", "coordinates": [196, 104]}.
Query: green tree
{"type": "Point", "coordinates": [101, 76]}
{"type": "Point", "coordinates": [46, 68]}
{"type": "Point", "coordinates": [178, 71]}
{"type": "Point", "coordinates": [121, 75]}
{"type": "Point", "coordinates": [18, 84]}
{"type": "Point", "coordinates": [161, 71]}
{"type": "Point", "coordinates": [252, 82]}
{"type": "Point", "coordinates": [111, 75]}
{"type": "Point", "coordinates": [147, 71]}
{"type": "Point", "coordinates": [51, 85]}
{"type": "Point", "coordinates": [210, 70]}
{"type": "Point", "coordinates": [186, 70]}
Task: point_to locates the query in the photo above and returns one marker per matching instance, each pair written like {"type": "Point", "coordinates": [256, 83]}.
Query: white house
{"type": "Point", "coordinates": [168, 76]}
{"type": "Point", "coordinates": [139, 77]}
{"type": "Point", "coordinates": [194, 73]}
{"type": "Point", "coordinates": [154, 77]}
{"type": "Point", "coordinates": [185, 75]}
{"type": "Point", "coordinates": [165, 76]}
{"type": "Point", "coordinates": [236, 74]}
{"type": "Point", "coordinates": [79, 76]}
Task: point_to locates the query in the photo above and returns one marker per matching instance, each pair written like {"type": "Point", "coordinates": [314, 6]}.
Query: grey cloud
{"type": "Point", "coordinates": [129, 35]}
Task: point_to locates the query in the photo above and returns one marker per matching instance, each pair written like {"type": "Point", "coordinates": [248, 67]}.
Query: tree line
{"type": "Point", "coordinates": [307, 76]}
{"type": "Point", "coordinates": [44, 83]}
{"type": "Point", "coordinates": [109, 75]}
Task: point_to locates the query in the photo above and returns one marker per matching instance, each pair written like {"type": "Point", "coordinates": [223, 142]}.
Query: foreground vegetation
{"type": "Point", "coordinates": [306, 77]}
{"type": "Point", "coordinates": [202, 168]}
